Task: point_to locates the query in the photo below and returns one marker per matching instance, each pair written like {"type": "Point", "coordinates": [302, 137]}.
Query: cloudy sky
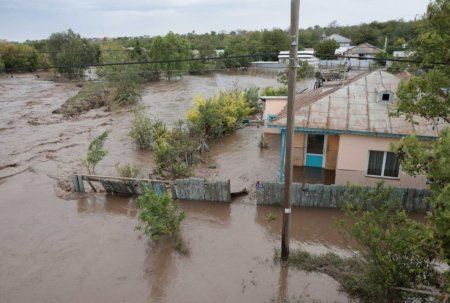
{"type": "Point", "coordinates": [37, 19]}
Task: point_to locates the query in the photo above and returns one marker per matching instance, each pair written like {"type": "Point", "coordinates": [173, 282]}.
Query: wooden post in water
{"type": "Point", "coordinates": [293, 57]}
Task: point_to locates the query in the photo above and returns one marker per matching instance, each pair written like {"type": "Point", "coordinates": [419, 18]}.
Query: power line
{"type": "Point", "coordinates": [212, 59]}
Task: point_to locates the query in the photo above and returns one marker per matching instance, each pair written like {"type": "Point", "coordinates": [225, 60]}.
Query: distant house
{"type": "Point", "coordinates": [363, 50]}
{"type": "Point", "coordinates": [343, 41]}
{"type": "Point", "coordinates": [345, 130]}
{"type": "Point", "coordinates": [303, 55]}
{"type": "Point", "coordinates": [403, 54]}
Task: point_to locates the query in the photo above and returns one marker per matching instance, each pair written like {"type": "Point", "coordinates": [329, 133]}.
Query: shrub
{"type": "Point", "coordinates": [146, 132]}
{"type": "Point", "coordinates": [160, 215]}
{"type": "Point", "coordinates": [275, 91]}
{"type": "Point", "coordinates": [174, 150]}
{"type": "Point", "coordinates": [128, 170]}
{"type": "Point", "coordinates": [96, 152]}
{"type": "Point", "coordinates": [220, 114]}
{"type": "Point", "coordinates": [395, 250]}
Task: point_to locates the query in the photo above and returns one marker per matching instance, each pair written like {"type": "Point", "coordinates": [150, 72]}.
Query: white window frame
{"type": "Point", "coordinates": [382, 167]}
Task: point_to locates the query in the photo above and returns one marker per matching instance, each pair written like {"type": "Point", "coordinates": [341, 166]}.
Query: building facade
{"type": "Point", "coordinates": [345, 130]}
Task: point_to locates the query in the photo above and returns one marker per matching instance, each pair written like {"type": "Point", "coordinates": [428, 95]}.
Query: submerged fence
{"type": "Point", "coordinates": [200, 189]}
{"type": "Point", "coordinates": [183, 189]}
{"type": "Point", "coordinates": [333, 196]}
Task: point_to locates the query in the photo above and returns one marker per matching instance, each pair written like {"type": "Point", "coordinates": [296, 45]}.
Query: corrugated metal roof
{"type": "Point", "coordinates": [365, 48]}
{"type": "Point", "coordinates": [355, 106]}
{"type": "Point", "coordinates": [338, 38]}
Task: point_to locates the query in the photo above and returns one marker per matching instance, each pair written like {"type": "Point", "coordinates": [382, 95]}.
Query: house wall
{"type": "Point", "coordinates": [273, 106]}
{"type": "Point", "coordinates": [353, 158]}
{"type": "Point", "coordinates": [332, 152]}
{"type": "Point", "coordinates": [299, 149]}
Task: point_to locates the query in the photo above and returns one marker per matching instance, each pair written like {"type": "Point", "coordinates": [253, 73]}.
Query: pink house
{"type": "Point", "coordinates": [344, 130]}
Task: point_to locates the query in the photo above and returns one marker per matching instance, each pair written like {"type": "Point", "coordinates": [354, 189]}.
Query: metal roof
{"type": "Point", "coordinates": [354, 106]}
{"type": "Point", "coordinates": [365, 48]}
{"type": "Point", "coordinates": [338, 38]}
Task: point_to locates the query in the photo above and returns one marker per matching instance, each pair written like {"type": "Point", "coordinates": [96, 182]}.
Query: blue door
{"type": "Point", "coordinates": [314, 150]}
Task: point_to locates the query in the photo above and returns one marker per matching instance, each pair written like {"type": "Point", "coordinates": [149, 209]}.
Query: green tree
{"type": "Point", "coordinates": [71, 53]}
{"type": "Point", "coordinates": [273, 42]}
{"type": "Point", "coordinates": [19, 56]}
{"type": "Point", "coordinates": [325, 49]}
{"type": "Point", "coordinates": [96, 152]}
{"type": "Point", "coordinates": [171, 47]}
{"type": "Point", "coordinates": [427, 96]}
{"type": "Point", "coordinates": [125, 80]}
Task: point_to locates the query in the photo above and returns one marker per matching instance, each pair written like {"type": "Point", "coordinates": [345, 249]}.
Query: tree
{"type": "Point", "coordinates": [71, 53]}
{"type": "Point", "coordinates": [325, 49]}
{"type": "Point", "coordinates": [174, 48]}
{"type": "Point", "coordinates": [273, 42]}
{"type": "Point", "coordinates": [96, 152]}
{"type": "Point", "coordinates": [125, 80]}
{"type": "Point", "coordinates": [18, 56]}
{"type": "Point", "coordinates": [427, 96]}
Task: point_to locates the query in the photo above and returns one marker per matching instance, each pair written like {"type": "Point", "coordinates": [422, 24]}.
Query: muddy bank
{"type": "Point", "coordinates": [86, 250]}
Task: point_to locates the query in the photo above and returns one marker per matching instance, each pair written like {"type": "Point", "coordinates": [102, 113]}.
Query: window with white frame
{"type": "Point", "coordinates": [383, 164]}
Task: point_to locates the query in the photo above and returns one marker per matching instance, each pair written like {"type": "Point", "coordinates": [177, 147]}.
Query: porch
{"type": "Point", "coordinates": [313, 175]}
{"type": "Point", "coordinates": [314, 157]}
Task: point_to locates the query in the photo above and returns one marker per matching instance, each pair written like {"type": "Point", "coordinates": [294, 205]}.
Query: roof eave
{"type": "Point", "coordinates": [350, 132]}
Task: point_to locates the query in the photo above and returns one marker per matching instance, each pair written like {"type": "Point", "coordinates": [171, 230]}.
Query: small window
{"type": "Point", "coordinates": [383, 164]}
{"type": "Point", "coordinates": [385, 97]}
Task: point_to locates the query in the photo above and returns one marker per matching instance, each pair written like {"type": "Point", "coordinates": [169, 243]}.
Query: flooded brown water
{"type": "Point", "coordinates": [86, 250]}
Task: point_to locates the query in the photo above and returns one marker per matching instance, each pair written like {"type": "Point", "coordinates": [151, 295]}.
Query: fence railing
{"type": "Point", "coordinates": [333, 196]}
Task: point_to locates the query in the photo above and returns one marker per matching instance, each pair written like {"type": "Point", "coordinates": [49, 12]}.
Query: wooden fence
{"type": "Point", "coordinates": [183, 189]}
{"type": "Point", "coordinates": [333, 196]}
{"type": "Point", "coordinates": [200, 189]}
{"type": "Point", "coordinates": [119, 185]}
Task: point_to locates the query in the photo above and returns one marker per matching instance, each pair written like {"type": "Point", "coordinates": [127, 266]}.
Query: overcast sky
{"type": "Point", "coordinates": [37, 19]}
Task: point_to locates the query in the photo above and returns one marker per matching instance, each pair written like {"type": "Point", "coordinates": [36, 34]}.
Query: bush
{"type": "Point", "coordinates": [275, 91]}
{"type": "Point", "coordinates": [252, 97]}
{"type": "Point", "coordinates": [174, 151]}
{"type": "Point", "coordinates": [145, 132]}
{"type": "Point", "coordinates": [395, 250]}
{"type": "Point", "coordinates": [160, 215]}
{"type": "Point", "coordinates": [220, 114]}
{"type": "Point", "coordinates": [128, 170]}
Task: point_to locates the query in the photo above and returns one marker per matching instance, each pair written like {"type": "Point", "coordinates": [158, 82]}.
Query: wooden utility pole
{"type": "Point", "coordinates": [293, 57]}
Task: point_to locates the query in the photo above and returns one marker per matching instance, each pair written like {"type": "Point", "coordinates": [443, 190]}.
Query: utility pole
{"type": "Point", "coordinates": [293, 57]}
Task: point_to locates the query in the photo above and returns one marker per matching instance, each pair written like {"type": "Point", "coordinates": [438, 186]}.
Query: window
{"type": "Point", "coordinates": [385, 97]}
{"type": "Point", "coordinates": [315, 144]}
{"type": "Point", "coordinates": [383, 164]}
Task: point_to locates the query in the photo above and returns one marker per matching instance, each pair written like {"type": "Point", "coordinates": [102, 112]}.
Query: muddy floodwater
{"type": "Point", "coordinates": [86, 249]}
